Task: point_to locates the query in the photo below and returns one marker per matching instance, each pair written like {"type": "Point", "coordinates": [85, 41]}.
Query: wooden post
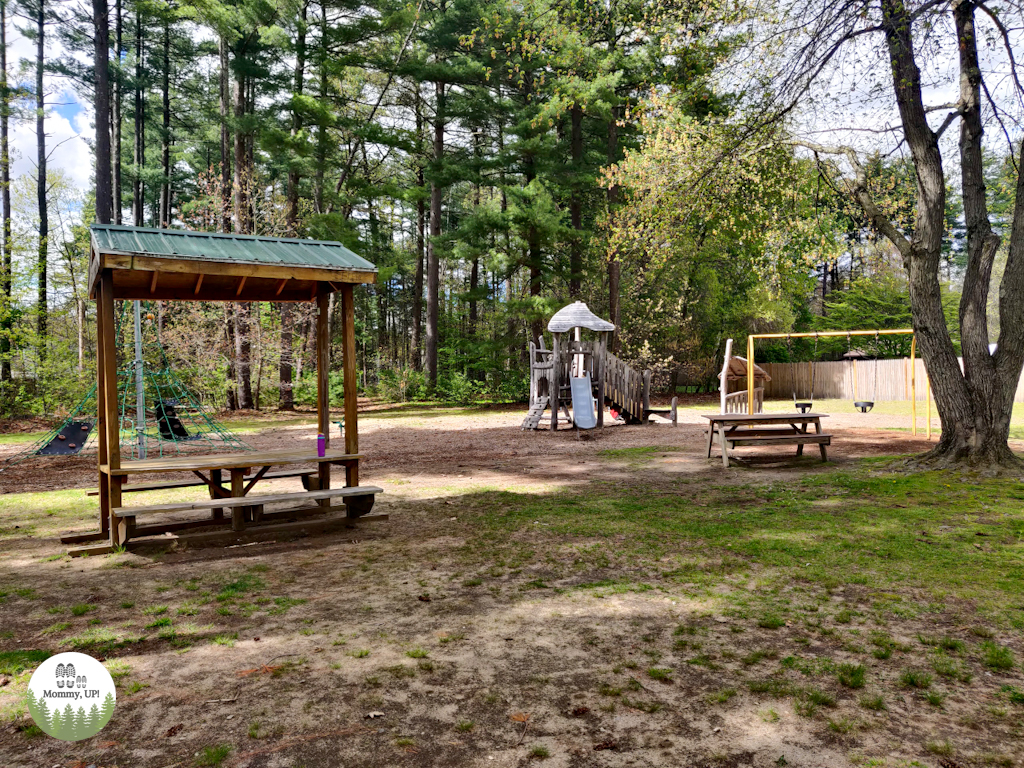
{"type": "Point", "coordinates": [913, 382]}
{"type": "Point", "coordinates": [105, 330]}
{"type": "Point", "coordinates": [351, 389]}
{"type": "Point", "coordinates": [556, 379]}
{"type": "Point", "coordinates": [602, 346]}
{"type": "Point", "coordinates": [750, 380]}
{"type": "Point", "coordinates": [645, 404]}
{"type": "Point", "coordinates": [323, 384]}
{"type": "Point", "coordinates": [101, 420]}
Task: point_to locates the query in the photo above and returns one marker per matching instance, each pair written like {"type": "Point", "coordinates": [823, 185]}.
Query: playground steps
{"type": "Point", "coordinates": [536, 413]}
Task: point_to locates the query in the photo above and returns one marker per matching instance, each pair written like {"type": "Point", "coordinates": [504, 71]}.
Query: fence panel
{"type": "Point", "coordinates": [877, 380]}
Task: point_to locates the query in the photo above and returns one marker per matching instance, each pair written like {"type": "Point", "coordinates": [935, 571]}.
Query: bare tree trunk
{"type": "Point", "coordinates": [243, 224]}
{"type": "Point", "coordinates": [614, 265]}
{"type": "Point", "coordinates": [229, 333]}
{"type": "Point", "coordinates": [576, 204]}
{"type": "Point", "coordinates": [297, 83]}
{"type": "Point", "coordinates": [116, 116]}
{"type": "Point", "coordinates": [165, 135]}
{"type": "Point", "coordinates": [138, 214]}
{"type": "Point", "coordinates": [433, 266]}
{"type": "Point", "coordinates": [225, 139]}
{"type": "Point", "coordinates": [421, 216]}
{"type": "Point", "coordinates": [6, 321]}
{"type": "Point", "coordinates": [44, 224]}
{"type": "Point", "coordinates": [101, 70]}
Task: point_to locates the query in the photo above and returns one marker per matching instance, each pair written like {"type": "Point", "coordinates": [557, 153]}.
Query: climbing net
{"type": "Point", "coordinates": [175, 421]}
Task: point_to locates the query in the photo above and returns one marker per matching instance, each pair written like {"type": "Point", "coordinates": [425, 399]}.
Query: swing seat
{"type": "Point", "coordinates": [803, 407]}
{"type": "Point", "coordinates": [863, 405]}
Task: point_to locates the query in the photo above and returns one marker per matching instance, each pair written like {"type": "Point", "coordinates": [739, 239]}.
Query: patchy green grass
{"type": "Point", "coordinates": [16, 662]}
{"type": "Point", "coordinates": [868, 534]}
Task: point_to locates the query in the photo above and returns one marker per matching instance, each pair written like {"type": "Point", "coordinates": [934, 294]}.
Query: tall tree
{"type": "Point", "coordinates": [101, 68]}
{"type": "Point", "coordinates": [975, 403]}
{"type": "Point", "coordinates": [6, 308]}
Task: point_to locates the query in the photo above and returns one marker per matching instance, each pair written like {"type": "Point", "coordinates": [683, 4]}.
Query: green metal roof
{"type": "Point", "coordinates": [213, 246]}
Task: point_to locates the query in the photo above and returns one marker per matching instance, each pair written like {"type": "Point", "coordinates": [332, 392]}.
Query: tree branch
{"type": "Point", "coordinates": [859, 191]}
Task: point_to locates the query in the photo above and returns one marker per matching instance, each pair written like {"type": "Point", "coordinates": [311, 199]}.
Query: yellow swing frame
{"type": "Point", "coordinates": [823, 334]}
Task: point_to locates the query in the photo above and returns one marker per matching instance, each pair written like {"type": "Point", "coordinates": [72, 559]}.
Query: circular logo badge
{"type": "Point", "coordinates": [71, 696]}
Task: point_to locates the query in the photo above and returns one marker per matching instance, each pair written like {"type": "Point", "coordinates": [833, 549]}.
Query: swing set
{"type": "Point", "coordinates": [861, 405]}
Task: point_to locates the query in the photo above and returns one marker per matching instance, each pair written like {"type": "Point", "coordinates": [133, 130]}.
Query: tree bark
{"type": "Point", "coordinates": [116, 115]}
{"type": "Point", "coordinates": [139, 160]}
{"type": "Point", "coordinates": [433, 265]}
{"type": "Point", "coordinates": [243, 224]}
{"type": "Point", "coordinates": [576, 204]}
{"type": "Point", "coordinates": [225, 138]}
{"type": "Point", "coordinates": [6, 321]}
{"type": "Point", "coordinates": [44, 224]}
{"type": "Point", "coordinates": [165, 133]}
{"type": "Point", "coordinates": [297, 84]}
{"type": "Point", "coordinates": [101, 103]}
{"type": "Point", "coordinates": [416, 341]}
{"type": "Point", "coordinates": [614, 264]}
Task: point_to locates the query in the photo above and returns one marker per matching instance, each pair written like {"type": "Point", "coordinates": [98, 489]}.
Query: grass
{"type": "Point", "coordinates": [16, 662]}
{"type": "Point", "coordinates": [995, 656]}
{"type": "Point", "coordinates": [915, 678]}
{"type": "Point", "coordinates": [213, 755]}
{"type": "Point", "coordinates": [539, 752]}
{"type": "Point", "coordinates": [851, 675]}
{"type": "Point", "coordinates": [872, 518]}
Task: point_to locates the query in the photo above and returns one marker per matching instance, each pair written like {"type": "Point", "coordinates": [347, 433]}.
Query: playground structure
{"type": "Point", "coordinates": [156, 264]}
{"type": "Point", "coordinates": [157, 413]}
{"type": "Point", "coordinates": [585, 374]}
{"type": "Point", "coordinates": [734, 371]}
{"type": "Point", "coordinates": [863, 405]}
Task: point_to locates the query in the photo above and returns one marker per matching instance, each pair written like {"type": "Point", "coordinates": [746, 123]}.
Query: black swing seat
{"type": "Point", "coordinates": [863, 405]}
{"type": "Point", "coordinates": [803, 407]}
{"type": "Point", "coordinates": [169, 424]}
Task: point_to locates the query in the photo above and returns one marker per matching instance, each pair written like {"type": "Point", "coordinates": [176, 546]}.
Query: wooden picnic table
{"type": "Point", "coordinates": [238, 465]}
{"type": "Point", "coordinates": [736, 429]}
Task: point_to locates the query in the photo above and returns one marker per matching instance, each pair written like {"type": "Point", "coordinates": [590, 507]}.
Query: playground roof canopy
{"type": "Point", "coordinates": [738, 370]}
{"type": "Point", "coordinates": [172, 264]}
{"type": "Point", "coordinates": [577, 315]}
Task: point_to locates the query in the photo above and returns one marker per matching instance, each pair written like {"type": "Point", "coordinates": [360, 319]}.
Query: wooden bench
{"type": "Point", "coordinates": [195, 483]}
{"type": "Point", "coordinates": [358, 501]}
{"type": "Point", "coordinates": [735, 429]}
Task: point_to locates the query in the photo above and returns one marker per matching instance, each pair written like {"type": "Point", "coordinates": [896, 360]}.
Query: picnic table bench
{"type": "Point", "coordinates": [235, 495]}
{"type": "Point", "coordinates": [736, 429]}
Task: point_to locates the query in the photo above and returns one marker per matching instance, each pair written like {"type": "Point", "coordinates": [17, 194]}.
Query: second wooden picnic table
{"type": "Point", "coordinates": [736, 429]}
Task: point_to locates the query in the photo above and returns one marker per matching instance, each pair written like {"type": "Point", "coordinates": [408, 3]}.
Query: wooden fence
{"type": "Point", "coordinates": [877, 380]}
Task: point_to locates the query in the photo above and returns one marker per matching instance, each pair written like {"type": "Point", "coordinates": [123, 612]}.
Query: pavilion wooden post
{"type": "Point", "coordinates": [750, 376]}
{"type": "Point", "coordinates": [350, 383]}
{"type": "Point", "coordinates": [101, 425]}
{"type": "Point", "coordinates": [323, 385]}
{"type": "Point", "coordinates": [107, 384]}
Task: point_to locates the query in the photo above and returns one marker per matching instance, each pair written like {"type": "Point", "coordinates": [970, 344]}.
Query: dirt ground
{"type": "Point", "coordinates": [396, 645]}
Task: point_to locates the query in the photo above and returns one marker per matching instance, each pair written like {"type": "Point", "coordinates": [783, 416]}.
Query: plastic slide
{"type": "Point", "coordinates": [583, 415]}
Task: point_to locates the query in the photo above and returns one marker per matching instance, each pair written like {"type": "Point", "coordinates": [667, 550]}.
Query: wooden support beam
{"type": "Point", "coordinates": [280, 287]}
{"type": "Point", "coordinates": [105, 330]}
{"type": "Point", "coordinates": [199, 284]}
{"type": "Point", "coordinates": [152, 282]}
{"type": "Point", "coordinates": [323, 385]}
{"type": "Point", "coordinates": [101, 420]}
{"type": "Point", "coordinates": [348, 351]}
{"type": "Point", "coordinates": [241, 285]}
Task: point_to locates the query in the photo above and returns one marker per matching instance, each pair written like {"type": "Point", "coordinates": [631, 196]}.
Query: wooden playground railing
{"type": "Point", "coordinates": [736, 402]}
{"type": "Point", "coordinates": [624, 386]}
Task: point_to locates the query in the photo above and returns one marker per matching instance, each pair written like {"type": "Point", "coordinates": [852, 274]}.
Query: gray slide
{"type": "Point", "coordinates": [583, 415]}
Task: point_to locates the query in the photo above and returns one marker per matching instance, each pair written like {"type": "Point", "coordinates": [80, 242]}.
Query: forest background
{"type": "Point", "coordinates": [495, 159]}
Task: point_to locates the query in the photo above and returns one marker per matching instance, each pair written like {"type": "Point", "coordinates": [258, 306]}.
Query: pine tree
{"type": "Point", "coordinates": [94, 720]}
{"type": "Point", "coordinates": [56, 723]}
{"type": "Point", "coordinates": [107, 710]}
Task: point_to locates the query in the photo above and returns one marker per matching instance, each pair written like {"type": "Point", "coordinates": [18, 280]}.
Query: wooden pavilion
{"type": "Point", "coordinates": [161, 264]}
